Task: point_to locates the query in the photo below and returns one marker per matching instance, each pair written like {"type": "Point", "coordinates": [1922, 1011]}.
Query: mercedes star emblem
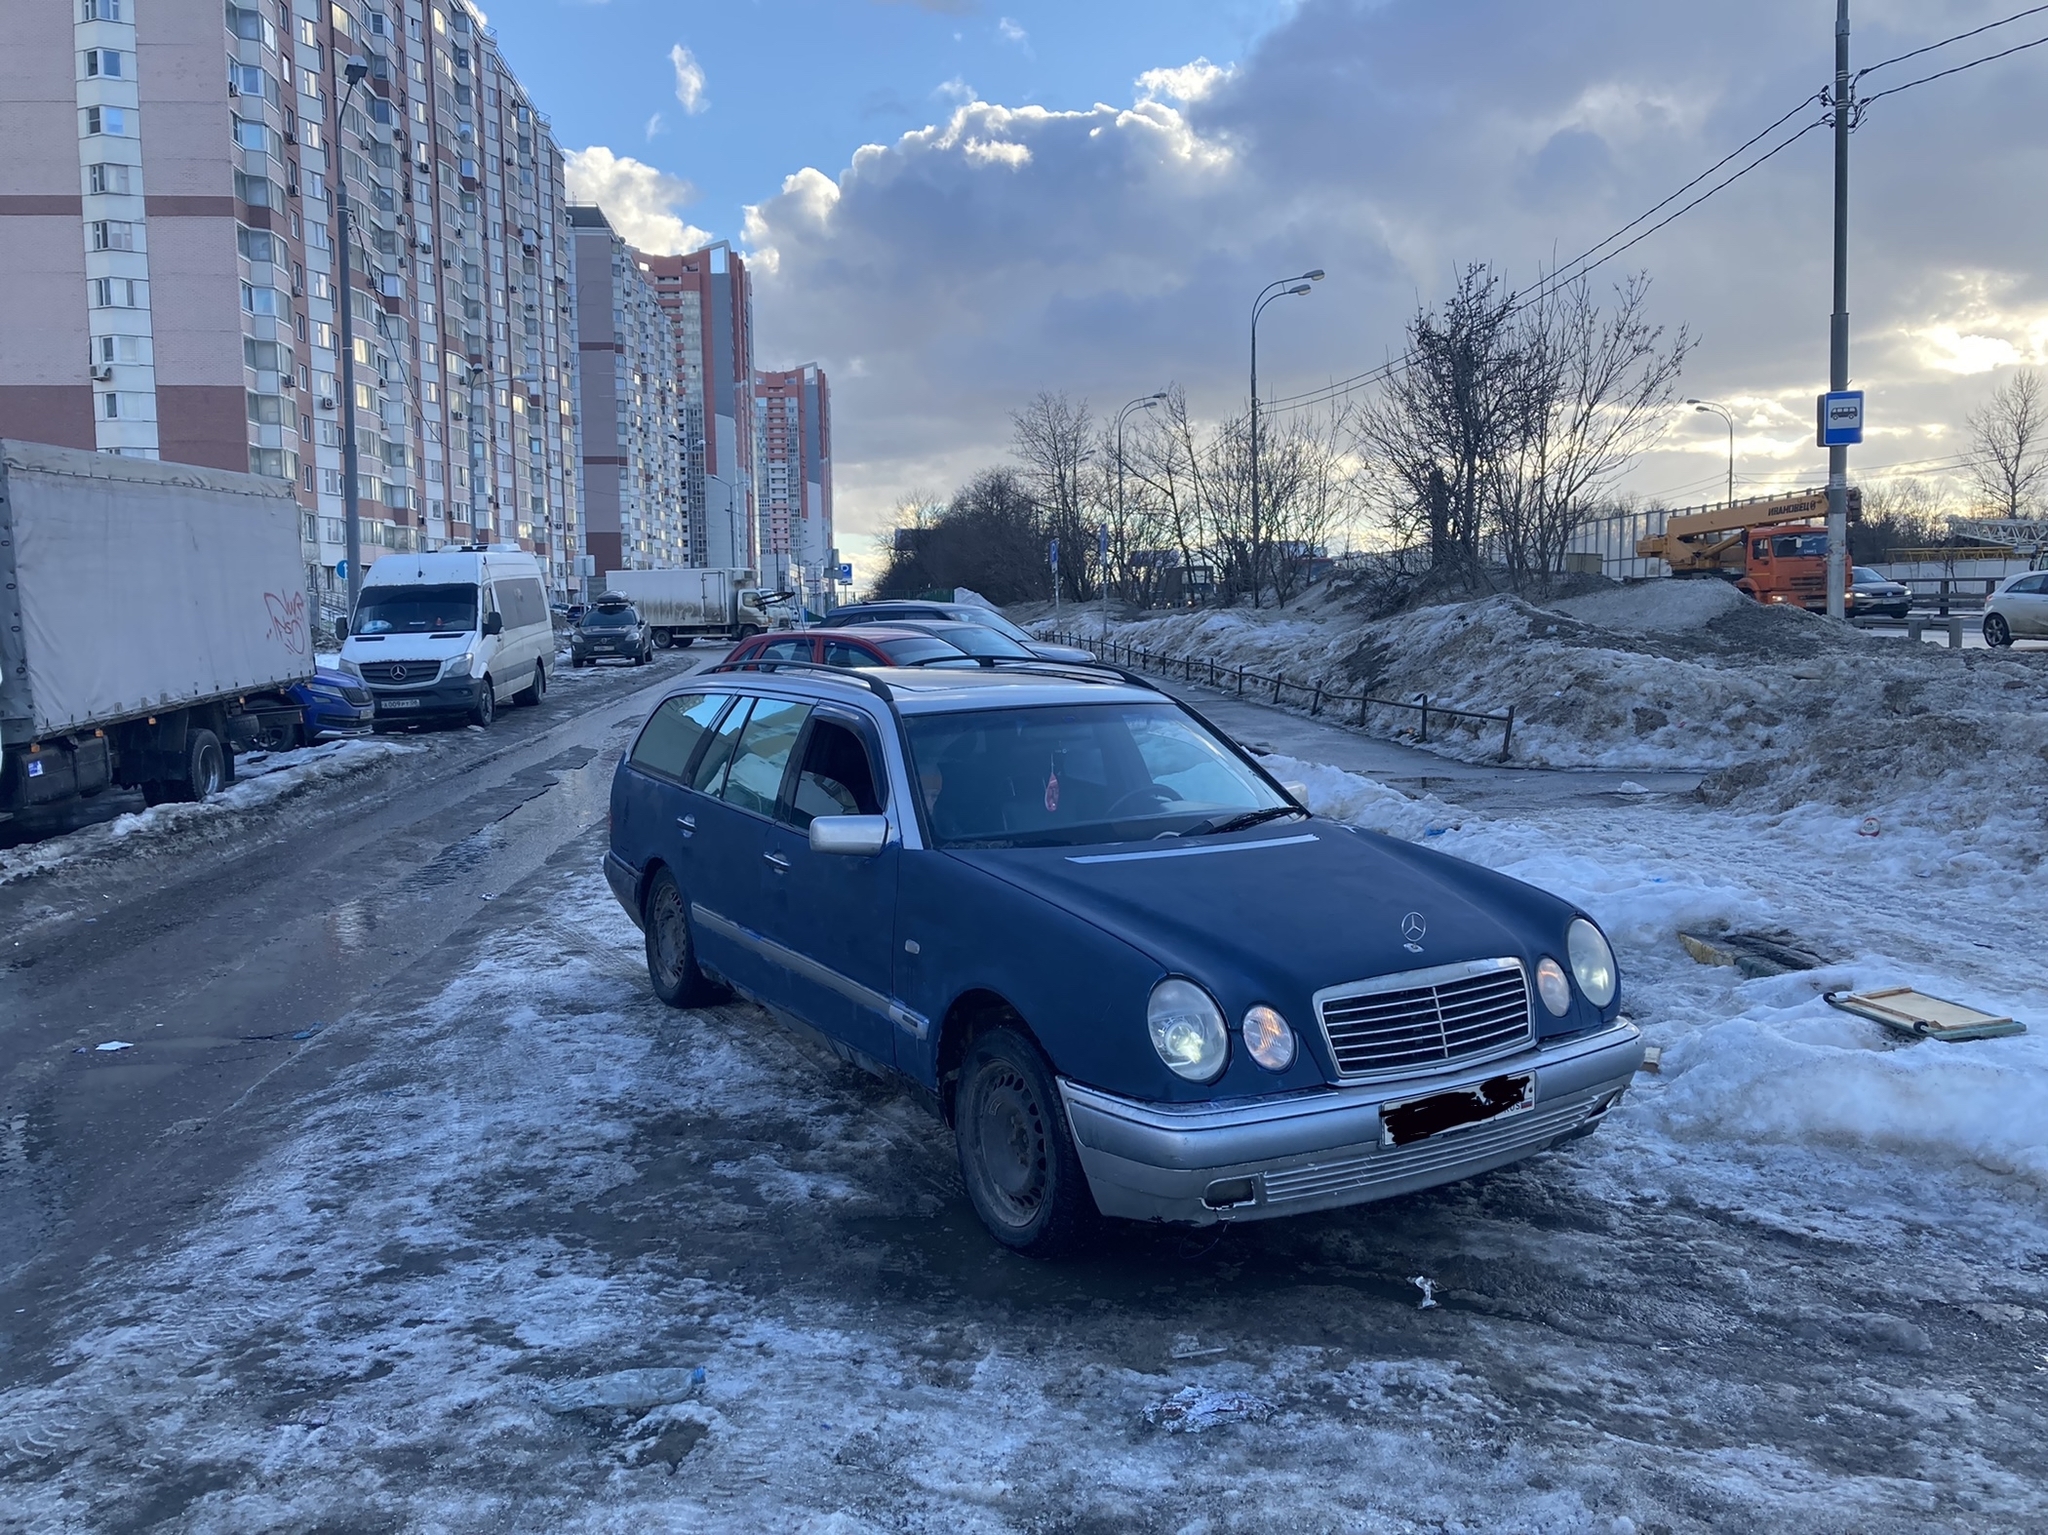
{"type": "Point", "coordinates": [1413, 926]}
{"type": "Point", "coordinates": [398, 675]}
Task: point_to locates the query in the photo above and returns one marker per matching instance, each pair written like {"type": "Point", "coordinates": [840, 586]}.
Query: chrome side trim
{"type": "Point", "coordinates": [1196, 852]}
{"type": "Point", "coordinates": [802, 964]}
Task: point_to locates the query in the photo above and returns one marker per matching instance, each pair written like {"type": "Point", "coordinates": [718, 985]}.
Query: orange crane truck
{"type": "Point", "coordinates": [1774, 548]}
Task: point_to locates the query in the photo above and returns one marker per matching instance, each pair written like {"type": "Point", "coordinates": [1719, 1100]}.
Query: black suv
{"type": "Point", "coordinates": [611, 629]}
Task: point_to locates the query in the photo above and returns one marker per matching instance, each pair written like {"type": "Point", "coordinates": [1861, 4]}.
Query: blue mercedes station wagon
{"type": "Point", "coordinates": [1129, 970]}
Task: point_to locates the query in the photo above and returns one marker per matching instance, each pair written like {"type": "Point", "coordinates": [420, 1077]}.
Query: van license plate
{"type": "Point", "coordinates": [1403, 1124]}
{"type": "Point", "coordinates": [385, 705]}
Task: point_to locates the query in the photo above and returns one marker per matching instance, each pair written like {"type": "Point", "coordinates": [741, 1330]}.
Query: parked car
{"type": "Point", "coordinates": [1874, 596]}
{"type": "Point", "coordinates": [869, 646]}
{"type": "Point", "coordinates": [446, 635]}
{"type": "Point", "coordinates": [331, 703]}
{"type": "Point", "coordinates": [954, 612]}
{"type": "Point", "coordinates": [611, 629]}
{"type": "Point", "coordinates": [2018, 610]}
{"type": "Point", "coordinates": [1131, 972]}
{"type": "Point", "coordinates": [986, 645]}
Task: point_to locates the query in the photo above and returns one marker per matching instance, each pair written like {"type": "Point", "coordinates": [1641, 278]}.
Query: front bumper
{"type": "Point", "coordinates": [1321, 1149]}
{"type": "Point", "coordinates": [451, 695]}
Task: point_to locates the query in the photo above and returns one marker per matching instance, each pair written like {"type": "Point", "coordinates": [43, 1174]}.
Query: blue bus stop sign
{"type": "Point", "coordinates": [1840, 423]}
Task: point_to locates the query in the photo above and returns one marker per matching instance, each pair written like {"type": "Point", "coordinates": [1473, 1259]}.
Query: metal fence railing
{"type": "Point", "coordinates": [1319, 696]}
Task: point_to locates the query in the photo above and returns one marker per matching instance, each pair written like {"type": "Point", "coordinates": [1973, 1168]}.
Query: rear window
{"type": "Point", "coordinates": [671, 736]}
{"type": "Point", "coordinates": [610, 618]}
{"type": "Point", "coordinates": [916, 652]}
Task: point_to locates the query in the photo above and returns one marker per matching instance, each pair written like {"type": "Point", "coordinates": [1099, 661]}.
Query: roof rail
{"type": "Point", "coordinates": [874, 685]}
{"type": "Point", "coordinates": [1080, 671]}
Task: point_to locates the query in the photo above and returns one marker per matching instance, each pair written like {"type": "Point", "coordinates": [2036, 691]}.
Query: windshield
{"type": "Point", "coordinates": [977, 640]}
{"type": "Point", "coordinates": [986, 619]}
{"type": "Point", "coordinates": [1787, 546]}
{"type": "Point", "coordinates": [415, 610]}
{"type": "Point", "coordinates": [917, 652]}
{"type": "Point", "coordinates": [610, 618]}
{"type": "Point", "coordinates": [1863, 575]}
{"type": "Point", "coordinates": [1073, 775]}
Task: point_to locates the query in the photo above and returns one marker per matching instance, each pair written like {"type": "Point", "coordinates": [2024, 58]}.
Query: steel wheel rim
{"type": "Point", "coordinates": [1010, 1145]}
{"type": "Point", "coordinates": [209, 772]}
{"type": "Point", "coordinates": [671, 936]}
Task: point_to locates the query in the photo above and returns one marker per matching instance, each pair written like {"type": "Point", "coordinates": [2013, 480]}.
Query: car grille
{"type": "Point", "coordinates": [1425, 1020]}
{"type": "Point", "coordinates": [399, 674]}
{"type": "Point", "coordinates": [355, 696]}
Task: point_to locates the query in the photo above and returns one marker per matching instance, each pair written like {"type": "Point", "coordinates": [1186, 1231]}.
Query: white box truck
{"type": "Point", "coordinates": [152, 617]}
{"type": "Point", "coordinates": [685, 605]}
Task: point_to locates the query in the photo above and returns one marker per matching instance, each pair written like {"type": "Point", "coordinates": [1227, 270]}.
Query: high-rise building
{"type": "Point", "coordinates": [169, 218]}
{"type": "Point", "coordinates": [711, 304]}
{"type": "Point", "coordinates": [636, 453]}
{"type": "Point", "coordinates": [793, 462]}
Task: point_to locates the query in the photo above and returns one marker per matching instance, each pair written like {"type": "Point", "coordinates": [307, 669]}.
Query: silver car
{"type": "Point", "coordinates": [2018, 610]}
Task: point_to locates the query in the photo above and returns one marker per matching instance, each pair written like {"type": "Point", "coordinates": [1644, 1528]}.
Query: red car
{"type": "Point", "coordinates": [868, 645]}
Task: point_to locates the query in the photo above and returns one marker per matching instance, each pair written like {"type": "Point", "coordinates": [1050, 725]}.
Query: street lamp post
{"type": "Point", "coordinates": [354, 73]}
{"type": "Point", "coordinates": [1721, 411]}
{"type": "Point", "coordinates": [1285, 287]}
{"type": "Point", "coordinates": [1148, 402]}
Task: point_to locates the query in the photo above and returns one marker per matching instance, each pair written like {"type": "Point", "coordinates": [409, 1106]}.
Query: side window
{"type": "Point", "coordinates": [837, 776]}
{"type": "Point", "coordinates": [532, 601]}
{"type": "Point", "coordinates": [765, 745]}
{"type": "Point", "coordinates": [709, 773]}
{"type": "Point", "coordinates": [840, 653]}
{"type": "Point", "coordinates": [672, 733]}
{"type": "Point", "coordinates": [1761, 549]}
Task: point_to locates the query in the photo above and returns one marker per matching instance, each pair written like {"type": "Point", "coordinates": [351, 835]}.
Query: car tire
{"type": "Point", "coordinates": [206, 771]}
{"type": "Point", "coordinates": [1017, 1155]}
{"type": "Point", "coordinates": [671, 951]}
{"type": "Point", "coordinates": [531, 697]}
{"type": "Point", "coordinates": [1997, 632]}
{"type": "Point", "coordinates": [486, 708]}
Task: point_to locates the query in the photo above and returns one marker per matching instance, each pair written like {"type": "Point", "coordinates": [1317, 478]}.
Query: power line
{"type": "Point", "coordinates": [1990, 26]}
{"type": "Point", "coordinates": [1989, 58]}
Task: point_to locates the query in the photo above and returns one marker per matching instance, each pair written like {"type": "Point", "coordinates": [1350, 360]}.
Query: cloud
{"type": "Point", "coordinates": [654, 126]}
{"type": "Point", "coordinates": [955, 89]}
{"type": "Point", "coordinates": [689, 79]}
{"type": "Point", "coordinates": [1008, 31]}
{"type": "Point", "coordinates": [1110, 249]}
{"type": "Point", "coordinates": [638, 200]}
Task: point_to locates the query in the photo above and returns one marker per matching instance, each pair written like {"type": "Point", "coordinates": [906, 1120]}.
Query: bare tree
{"type": "Point", "coordinates": [1055, 438]}
{"type": "Point", "coordinates": [2010, 465]}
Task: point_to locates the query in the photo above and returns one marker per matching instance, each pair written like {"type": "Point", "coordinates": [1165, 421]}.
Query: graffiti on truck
{"type": "Point", "coordinates": [287, 620]}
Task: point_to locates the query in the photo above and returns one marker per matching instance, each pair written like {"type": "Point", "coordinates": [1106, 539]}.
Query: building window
{"type": "Point", "coordinates": [110, 406]}
{"type": "Point", "coordinates": [114, 179]}
{"type": "Point", "coordinates": [104, 64]}
{"type": "Point", "coordinates": [111, 121]}
{"type": "Point", "coordinates": [119, 293]}
{"type": "Point", "coordinates": [252, 135]}
{"type": "Point", "coordinates": [113, 235]}
{"type": "Point", "coordinates": [257, 300]}
{"type": "Point", "coordinates": [248, 80]}
{"type": "Point", "coordinates": [256, 244]}
{"type": "Point", "coordinates": [100, 10]}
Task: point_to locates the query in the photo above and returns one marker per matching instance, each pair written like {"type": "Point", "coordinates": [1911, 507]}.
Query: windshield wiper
{"type": "Point", "coordinates": [1240, 822]}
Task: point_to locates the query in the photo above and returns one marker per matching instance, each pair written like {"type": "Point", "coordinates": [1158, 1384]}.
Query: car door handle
{"type": "Point", "coordinates": [688, 824]}
{"type": "Point", "coordinates": [777, 859]}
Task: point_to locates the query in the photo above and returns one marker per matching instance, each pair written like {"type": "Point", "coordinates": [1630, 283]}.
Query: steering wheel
{"type": "Point", "coordinates": [1159, 794]}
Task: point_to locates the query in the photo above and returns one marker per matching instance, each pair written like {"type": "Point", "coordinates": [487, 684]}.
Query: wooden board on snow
{"type": "Point", "coordinates": [1907, 1011]}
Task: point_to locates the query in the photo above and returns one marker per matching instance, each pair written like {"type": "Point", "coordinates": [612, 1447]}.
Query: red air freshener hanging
{"type": "Point", "coordinates": [1052, 790]}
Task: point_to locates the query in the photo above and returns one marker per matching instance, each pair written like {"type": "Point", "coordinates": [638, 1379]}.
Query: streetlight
{"type": "Point", "coordinates": [1721, 411]}
{"type": "Point", "coordinates": [732, 532]}
{"type": "Point", "coordinates": [354, 73]}
{"type": "Point", "coordinates": [1286, 287]}
{"type": "Point", "coordinates": [1145, 403]}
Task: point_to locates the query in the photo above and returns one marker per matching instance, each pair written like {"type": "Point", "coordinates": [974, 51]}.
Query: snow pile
{"type": "Point", "coordinates": [1768, 1061]}
{"type": "Point", "coordinates": [1783, 707]}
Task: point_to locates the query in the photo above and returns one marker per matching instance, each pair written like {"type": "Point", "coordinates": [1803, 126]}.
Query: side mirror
{"type": "Point", "coordinates": [494, 623]}
{"type": "Point", "coordinates": [341, 628]}
{"type": "Point", "coordinates": [855, 836]}
{"type": "Point", "coordinates": [1298, 792]}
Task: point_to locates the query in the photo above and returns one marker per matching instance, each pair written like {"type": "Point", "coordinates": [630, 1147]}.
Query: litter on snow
{"type": "Point", "coordinates": [1754, 954]}
{"type": "Point", "coordinates": [1192, 1409]}
{"type": "Point", "coordinates": [1428, 1289]}
{"type": "Point", "coordinates": [1906, 1011]}
{"type": "Point", "coordinates": [114, 1044]}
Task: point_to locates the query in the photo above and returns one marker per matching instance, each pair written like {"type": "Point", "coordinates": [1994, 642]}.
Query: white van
{"type": "Point", "coordinates": [452, 633]}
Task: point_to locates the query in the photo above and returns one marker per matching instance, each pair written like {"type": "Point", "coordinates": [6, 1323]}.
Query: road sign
{"type": "Point", "coordinates": [1839, 419]}
{"type": "Point", "coordinates": [341, 570]}
{"type": "Point", "coordinates": [845, 574]}
{"type": "Point", "coordinates": [1055, 554]}
{"type": "Point", "coordinates": [1102, 545]}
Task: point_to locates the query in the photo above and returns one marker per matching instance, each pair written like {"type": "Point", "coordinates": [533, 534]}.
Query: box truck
{"type": "Point", "coordinates": [684, 605]}
{"type": "Point", "coordinates": [152, 616]}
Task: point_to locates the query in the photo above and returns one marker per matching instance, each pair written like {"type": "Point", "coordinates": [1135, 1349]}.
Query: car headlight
{"type": "Point", "coordinates": [1592, 961]}
{"type": "Point", "coordinates": [1552, 987]}
{"type": "Point", "coordinates": [1188, 1030]}
{"type": "Point", "coordinates": [457, 666]}
{"type": "Point", "coordinates": [1268, 1039]}
{"type": "Point", "coordinates": [351, 668]}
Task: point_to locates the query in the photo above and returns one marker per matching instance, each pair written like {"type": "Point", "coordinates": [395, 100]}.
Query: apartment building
{"type": "Point", "coordinates": [169, 210]}
{"type": "Point", "coordinates": [710, 303]}
{"type": "Point", "coordinates": [636, 430]}
{"type": "Point", "coordinates": [793, 460]}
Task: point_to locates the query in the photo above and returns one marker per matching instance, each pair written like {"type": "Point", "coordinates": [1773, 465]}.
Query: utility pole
{"type": "Point", "coordinates": [1838, 339]}
{"type": "Point", "coordinates": [337, 168]}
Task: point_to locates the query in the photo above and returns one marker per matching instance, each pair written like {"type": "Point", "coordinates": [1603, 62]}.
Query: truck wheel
{"type": "Point", "coordinates": [1016, 1154]}
{"type": "Point", "coordinates": [671, 954]}
{"type": "Point", "coordinates": [486, 708]}
{"type": "Point", "coordinates": [533, 695]}
{"type": "Point", "coordinates": [663, 639]}
{"type": "Point", "coordinates": [747, 632]}
{"type": "Point", "coordinates": [205, 771]}
{"type": "Point", "coordinates": [681, 641]}
{"type": "Point", "coordinates": [155, 792]}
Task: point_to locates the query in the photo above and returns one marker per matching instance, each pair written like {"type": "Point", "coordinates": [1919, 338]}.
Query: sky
{"type": "Point", "coordinates": [951, 205]}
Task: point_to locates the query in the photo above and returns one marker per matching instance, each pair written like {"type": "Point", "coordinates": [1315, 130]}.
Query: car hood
{"type": "Point", "coordinates": [407, 647]}
{"type": "Point", "coordinates": [1281, 911]}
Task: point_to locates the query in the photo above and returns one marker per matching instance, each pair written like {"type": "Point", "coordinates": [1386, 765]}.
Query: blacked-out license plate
{"type": "Point", "coordinates": [1403, 1124]}
{"type": "Point", "coordinates": [384, 705]}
